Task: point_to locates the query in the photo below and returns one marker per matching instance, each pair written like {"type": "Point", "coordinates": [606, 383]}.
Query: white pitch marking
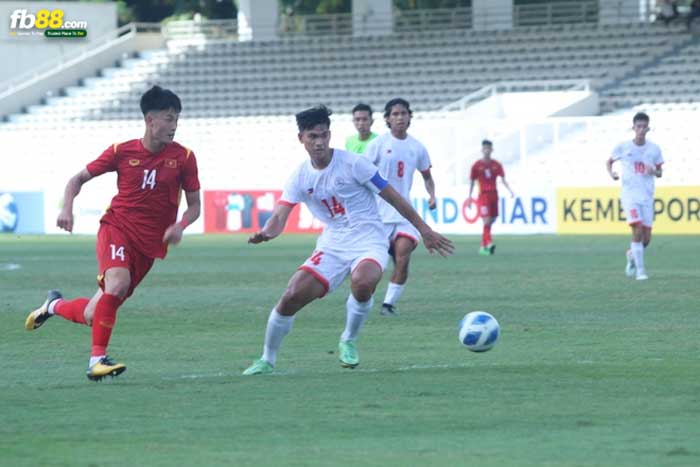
{"type": "Point", "coordinates": [295, 371]}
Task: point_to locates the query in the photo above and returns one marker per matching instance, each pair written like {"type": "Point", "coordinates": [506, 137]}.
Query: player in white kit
{"type": "Point", "coordinates": [398, 155]}
{"type": "Point", "coordinates": [641, 162]}
{"type": "Point", "coordinates": [338, 187]}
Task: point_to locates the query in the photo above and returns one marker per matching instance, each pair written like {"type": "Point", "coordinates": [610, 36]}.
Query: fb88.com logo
{"type": "Point", "coordinates": [22, 19]}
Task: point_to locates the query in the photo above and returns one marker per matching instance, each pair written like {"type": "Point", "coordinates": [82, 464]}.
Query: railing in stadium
{"type": "Point", "coordinates": [60, 62]}
{"type": "Point", "coordinates": [545, 14]}
{"type": "Point", "coordinates": [518, 86]}
{"type": "Point", "coordinates": [341, 24]}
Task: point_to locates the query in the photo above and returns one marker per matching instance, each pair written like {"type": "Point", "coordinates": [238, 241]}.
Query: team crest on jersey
{"type": "Point", "coordinates": [171, 163]}
{"type": "Point", "coordinates": [134, 162]}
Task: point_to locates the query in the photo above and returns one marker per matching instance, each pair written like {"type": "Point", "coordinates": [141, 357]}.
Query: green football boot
{"type": "Point", "coordinates": [261, 367]}
{"type": "Point", "coordinates": [348, 354]}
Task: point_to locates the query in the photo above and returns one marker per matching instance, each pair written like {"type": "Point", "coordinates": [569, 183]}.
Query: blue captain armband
{"type": "Point", "coordinates": [378, 181]}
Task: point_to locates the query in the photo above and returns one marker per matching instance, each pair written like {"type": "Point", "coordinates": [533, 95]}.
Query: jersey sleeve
{"type": "Point", "coordinates": [190, 179]}
{"type": "Point", "coordinates": [372, 151]}
{"type": "Point", "coordinates": [658, 158]}
{"type": "Point", "coordinates": [423, 160]}
{"type": "Point", "coordinates": [616, 153]}
{"type": "Point", "coordinates": [368, 175]}
{"type": "Point", "coordinates": [292, 193]}
{"type": "Point", "coordinates": [474, 172]}
{"type": "Point", "coordinates": [107, 162]}
{"type": "Point", "coordinates": [348, 143]}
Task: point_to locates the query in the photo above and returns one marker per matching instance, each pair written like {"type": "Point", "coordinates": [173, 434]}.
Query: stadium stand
{"type": "Point", "coordinates": [672, 79]}
{"type": "Point", "coordinates": [223, 78]}
{"type": "Point", "coordinates": [235, 94]}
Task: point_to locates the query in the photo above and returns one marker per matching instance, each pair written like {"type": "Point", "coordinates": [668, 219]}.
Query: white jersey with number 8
{"type": "Point", "coordinates": [397, 160]}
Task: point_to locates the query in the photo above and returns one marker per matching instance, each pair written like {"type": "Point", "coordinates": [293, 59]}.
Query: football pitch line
{"type": "Point", "coordinates": [307, 372]}
{"type": "Point", "coordinates": [418, 367]}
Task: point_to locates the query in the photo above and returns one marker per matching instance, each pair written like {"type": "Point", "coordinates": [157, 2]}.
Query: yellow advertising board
{"type": "Point", "coordinates": [598, 210]}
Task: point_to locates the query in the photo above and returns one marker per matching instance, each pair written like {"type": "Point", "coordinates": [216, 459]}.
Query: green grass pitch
{"type": "Point", "coordinates": [592, 368]}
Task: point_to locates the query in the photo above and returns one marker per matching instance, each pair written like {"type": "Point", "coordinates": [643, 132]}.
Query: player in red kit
{"type": "Point", "coordinates": [487, 171]}
{"type": "Point", "coordinates": [138, 226]}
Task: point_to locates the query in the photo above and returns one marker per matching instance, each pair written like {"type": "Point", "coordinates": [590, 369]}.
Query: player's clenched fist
{"type": "Point", "coordinates": [65, 221]}
{"type": "Point", "coordinates": [258, 237]}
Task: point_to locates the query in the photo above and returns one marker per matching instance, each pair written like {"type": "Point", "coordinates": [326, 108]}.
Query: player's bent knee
{"type": "Point", "coordinates": [118, 288]}
{"type": "Point", "coordinates": [363, 289]}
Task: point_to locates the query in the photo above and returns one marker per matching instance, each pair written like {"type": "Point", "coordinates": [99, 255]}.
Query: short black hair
{"type": "Point", "coordinates": [397, 101]}
{"type": "Point", "coordinates": [362, 108]}
{"type": "Point", "coordinates": [309, 118]}
{"type": "Point", "coordinates": [640, 116]}
{"type": "Point", "coordinates": [487, 142]}
{"type": "Point", "coordinates": [158, 98]}
{"type": "Point", "coordinates": [392, 103]}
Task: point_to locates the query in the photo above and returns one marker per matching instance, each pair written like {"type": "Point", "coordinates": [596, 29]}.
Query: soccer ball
{"type": "Point", "coordinates": [479, 331]}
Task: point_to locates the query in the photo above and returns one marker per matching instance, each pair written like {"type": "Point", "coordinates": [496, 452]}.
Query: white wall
{"type": "Point", "coordinates": [257, 19]}
{"type": "Point", "coordinates": [540, 155]}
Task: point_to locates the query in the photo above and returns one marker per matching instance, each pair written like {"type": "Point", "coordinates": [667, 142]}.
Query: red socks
{"type": "Point", "coordinates": [486, 236]}
{"type": "Point", "coordinates": [103, 322]}
{"type": "Point", "coordinates": [72, 310]}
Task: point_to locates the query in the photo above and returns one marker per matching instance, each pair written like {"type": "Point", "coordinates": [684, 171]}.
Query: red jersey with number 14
{"type": "Point", "coordinates": [485, 173]}
{"type": "Point", "coordinates": [149, 190]}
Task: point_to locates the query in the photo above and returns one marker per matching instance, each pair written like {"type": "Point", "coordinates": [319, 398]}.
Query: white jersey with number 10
{"type": "Point", "coordinates": [637, 185]}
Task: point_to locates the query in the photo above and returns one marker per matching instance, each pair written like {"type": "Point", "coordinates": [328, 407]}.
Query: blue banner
{"type": "Point", "coordinates": [22, 212]}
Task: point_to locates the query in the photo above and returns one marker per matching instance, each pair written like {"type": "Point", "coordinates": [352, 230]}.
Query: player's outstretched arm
{"type": "Point", "coordinates": [65, 217]}
{"type": "Point", "coordinates": [173, 234]}
{"type": "Point", "coordinates": [274, 225]}
{"type": "Point", "coordinates": [608, 165]}
{"type": "Point", "coordinates": [432, 240]}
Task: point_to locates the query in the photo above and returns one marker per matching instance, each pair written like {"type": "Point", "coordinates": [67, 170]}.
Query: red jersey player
{"type": "Point", "coordinates": [137, 227]}
{"type": "Point", "coordinates": [487, 171]}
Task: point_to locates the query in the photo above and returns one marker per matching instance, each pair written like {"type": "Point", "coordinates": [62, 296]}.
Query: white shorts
{"type": "Point", "coordinates": [639, 213]}
{"type": "Point", "coordinates": [404, 229]}
{"type": "Point", "coordinates": [332, 265]}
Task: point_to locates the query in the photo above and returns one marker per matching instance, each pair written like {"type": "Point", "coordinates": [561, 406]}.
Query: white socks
{"type": "Point", "coordinates": [357, 313]}
{"type": "Point", "coordinates": [393, 292]}
{"type": "Point", "coordinates": [278, 326]}
{"type": "Point", "coordinates": [52, 305]}
{"type": "Point", "coordinates": [637, 250]}
{"type": "Point", "coordinates": [94, 360]}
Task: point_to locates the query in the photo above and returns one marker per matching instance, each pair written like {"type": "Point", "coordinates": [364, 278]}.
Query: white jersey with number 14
{"type": "Point", "coordinates": [342, 197]}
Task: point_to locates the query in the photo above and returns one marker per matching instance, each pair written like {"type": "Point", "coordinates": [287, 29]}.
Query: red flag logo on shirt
{"type": "Point", "coordinates": [134, 162]}
{"type": "Point", "coordinates": [171, 163]}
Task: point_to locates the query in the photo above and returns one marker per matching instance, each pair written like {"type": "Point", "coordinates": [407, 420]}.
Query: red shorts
{"type": "Point", "coordinates": [114, 250]}
{"type": "Point", "coordinates": [488, 204]}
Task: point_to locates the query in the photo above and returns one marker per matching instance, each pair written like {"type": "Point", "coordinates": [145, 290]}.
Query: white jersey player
{"type": "Point", "coordinates": [338, 187]}
{"type": "Point", "coordinates": [641, 162]}
{"type": "Point", "coordinates": [398, 155]}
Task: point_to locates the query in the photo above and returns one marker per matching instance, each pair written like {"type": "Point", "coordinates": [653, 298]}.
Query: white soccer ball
{"type": "Point", "coordinates": [479, 331]}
